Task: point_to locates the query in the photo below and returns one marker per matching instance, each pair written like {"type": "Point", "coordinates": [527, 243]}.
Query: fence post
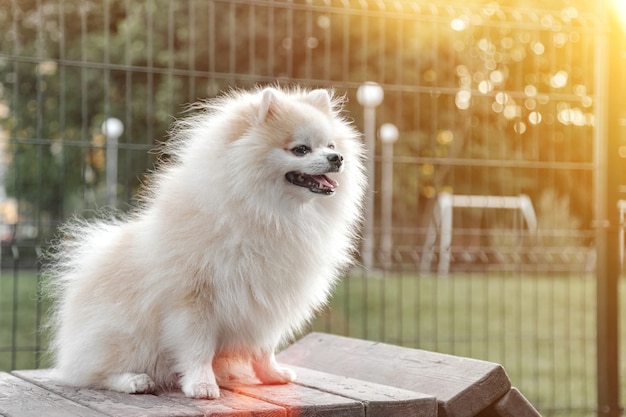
{"type": "Point", "coordinates": [606, 195]}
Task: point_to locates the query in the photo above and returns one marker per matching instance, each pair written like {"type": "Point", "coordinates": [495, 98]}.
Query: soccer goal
{"type": "Point", "coordinates": [441, 222]}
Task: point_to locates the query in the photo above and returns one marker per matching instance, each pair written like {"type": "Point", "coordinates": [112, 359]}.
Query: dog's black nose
{"type": "Point", "coordinates": [335, 159]}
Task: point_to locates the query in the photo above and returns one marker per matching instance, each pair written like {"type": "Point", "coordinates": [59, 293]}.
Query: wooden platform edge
{"type": "Point", "coordinates": [168, 404]}
{"type": "Point", "coordinates": [379, 400]}
{"type": "Point", "coordinates": [21, 398]}
{"type": "Point", "coordinates": [316, 393]}
{"type": "Point", "coordinates": [463, 386]}
{"type": "Point", "coordinates": [514, 404]}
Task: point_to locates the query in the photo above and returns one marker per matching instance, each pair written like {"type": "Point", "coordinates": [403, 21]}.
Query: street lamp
{"type": "Point", "coordinates": [369, 95]}
{"type": "Point", "coordinates": [388, 134]}
{"type": "Point", "coordinates": [112, 129]}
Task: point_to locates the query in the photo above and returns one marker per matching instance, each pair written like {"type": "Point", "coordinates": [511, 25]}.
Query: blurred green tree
{"type": "Point", "coordinates": [485, 95]}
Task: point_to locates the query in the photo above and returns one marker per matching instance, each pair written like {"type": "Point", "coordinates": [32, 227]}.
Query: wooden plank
{"type": "Point", "coordinates": [229, 404]}
{"type": "Point", "coordinates": [301, 401]}
{"type": "Point", "coordinates": [111, 403]}
{"type": "Point", "coordinates": [114, 403]}
{"type": "Point", "coordinates": [19, 398]}
{"type": "Point", "coordinates": [463, 387]}
{"type": "Point", "coordinates": [379, 400]}
{"type": "Point", "coordinates": [512, 404]}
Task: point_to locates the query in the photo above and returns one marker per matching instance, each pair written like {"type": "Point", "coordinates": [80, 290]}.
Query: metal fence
{"type": "Point", "coordinates": [485, 236]}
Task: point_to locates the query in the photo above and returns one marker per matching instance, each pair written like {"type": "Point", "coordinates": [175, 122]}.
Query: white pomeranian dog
{"type": "Point", "coordinates": [236, 245]}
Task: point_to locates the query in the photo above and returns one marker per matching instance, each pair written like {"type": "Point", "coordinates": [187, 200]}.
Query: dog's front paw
{"type": "Point", "coordinates": [129, 383]}
{"type": "Point", "coordinates": [276, 375]}
{"type": "Point", "coordinates": [268, 371]}
{"type": "Point", "coordinates": [141, 384]}
{"type": "Point", "coordinates": [202, 390]}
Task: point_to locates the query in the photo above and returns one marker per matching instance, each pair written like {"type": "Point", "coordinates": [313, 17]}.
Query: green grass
{"type": "Point", "coordinates": [20, 316]}
{"type": "Point", "coordinates": [540, 327]}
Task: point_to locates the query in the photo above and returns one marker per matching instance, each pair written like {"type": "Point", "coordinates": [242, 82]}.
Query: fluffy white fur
{"type": "Point", "coordinates": [225, 257]}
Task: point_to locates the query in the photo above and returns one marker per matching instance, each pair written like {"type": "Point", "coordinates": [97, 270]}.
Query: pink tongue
{"type": "Point", "coordinates": [325, 181]}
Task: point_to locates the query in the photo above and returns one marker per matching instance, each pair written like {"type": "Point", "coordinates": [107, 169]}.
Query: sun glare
{"type": "Point", "coordinates": [619, 7]}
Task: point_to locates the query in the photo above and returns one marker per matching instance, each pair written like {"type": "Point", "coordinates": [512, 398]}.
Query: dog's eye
{"type": "Point", "coordinates": [301, 150]}
{"type": "Point", "coordinates": [331, 146]}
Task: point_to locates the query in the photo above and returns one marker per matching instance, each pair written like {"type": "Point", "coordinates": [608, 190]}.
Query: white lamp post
{"type": "Point", "coordinates": [369, 95]}
{"type": "Point", "coordinates": [112, 129]}
{"type": "Point", "coordinates": [388, 134]}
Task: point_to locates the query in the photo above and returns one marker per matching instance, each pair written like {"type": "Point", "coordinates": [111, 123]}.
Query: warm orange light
{"type": "Point", "coordinates": [619, 8]}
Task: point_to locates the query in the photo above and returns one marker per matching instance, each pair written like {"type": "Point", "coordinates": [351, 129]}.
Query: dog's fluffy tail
{"type": "Point", "coordinates": [78, 239]}
{"type": "Point", "coordinates": [66, 261]}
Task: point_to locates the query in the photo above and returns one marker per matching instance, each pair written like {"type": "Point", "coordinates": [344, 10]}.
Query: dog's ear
{"type": "Point", "coordinates": [269, 97]}
{"type": "Point", "coordinates": [321, 99]}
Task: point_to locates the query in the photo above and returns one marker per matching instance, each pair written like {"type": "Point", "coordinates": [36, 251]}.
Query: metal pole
{"type": "Point", "coordinates": [111, 171]}
{"type": "Point", "coordinates": [369, 132]}
{"type": "Point", "coordinates": [369, 95]}
{"type": "Point", "coordinates": [112, 129]}
{"type": "Point", "coordinates": [606, 186]}
{"type": "Point", "coordinates": [388, 134]}
{"type": "Point", "coordinates": [621, 205]}
{"type": "Point", "coordinates": [386, 204]}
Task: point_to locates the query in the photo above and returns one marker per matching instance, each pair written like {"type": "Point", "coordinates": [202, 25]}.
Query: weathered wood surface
{"type": "Point", "coordinates": [20, 398]}
{"type": "Point", "coordinates": [111, 403]}
{"type": "Point", "coordinates": [378, 399]}
{"type": "Point", "coordinates": [463, 387]}
{"type": "Point", "coordinates": [337, 376]}
{"type": "Point", "coordinates": [512, 404]}
{"type": "Point", "coordinates": [36, 393]}
{"type": "Point", "coordinates": [298, 400]}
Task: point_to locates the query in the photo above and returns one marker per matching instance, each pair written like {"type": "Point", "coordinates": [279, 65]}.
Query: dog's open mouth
{"type": "Point", "coordinates": [320, 184]}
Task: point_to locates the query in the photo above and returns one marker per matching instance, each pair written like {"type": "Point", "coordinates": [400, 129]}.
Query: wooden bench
{"type": "Point", "coordinates": [337, 376]}
{"type": "Point", "coordinates": [463, 387]}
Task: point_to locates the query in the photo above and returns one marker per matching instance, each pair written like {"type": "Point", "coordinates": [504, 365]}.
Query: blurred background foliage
{"type": "Point", "coordinates": [504, 86]}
